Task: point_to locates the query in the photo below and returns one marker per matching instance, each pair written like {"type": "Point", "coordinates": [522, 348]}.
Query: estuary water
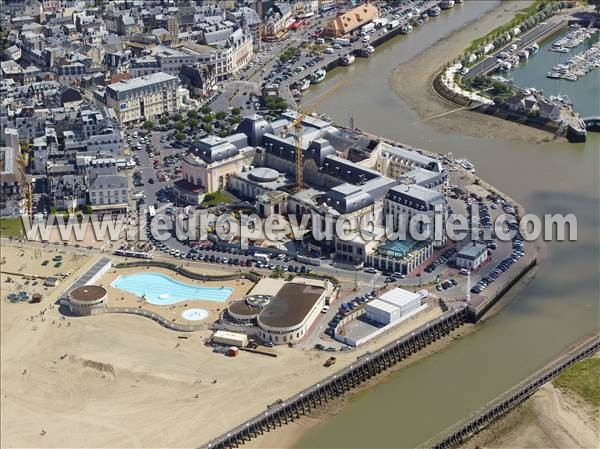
{"type": "Point", "coordinates": [558, 307]}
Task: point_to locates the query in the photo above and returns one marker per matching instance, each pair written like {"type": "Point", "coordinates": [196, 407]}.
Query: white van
{"type": "Point", "coordinates": [320, 41]}
{"type": "Point", "coordinates": [328, 51]}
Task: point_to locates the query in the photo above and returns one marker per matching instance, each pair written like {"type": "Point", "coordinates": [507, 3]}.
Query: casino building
{"type": "Point", "coordinates": [282, 317]}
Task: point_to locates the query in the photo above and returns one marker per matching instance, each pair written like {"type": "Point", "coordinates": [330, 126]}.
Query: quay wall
{"type": "Point", "coordinates": [513, 397]}
{"type": "Point", "coordinates": [475, 313]}
{"type": "Point", "coordinates": [367, 366]}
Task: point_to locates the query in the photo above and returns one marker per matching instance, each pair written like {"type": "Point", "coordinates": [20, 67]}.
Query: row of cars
{"type": "Point", "coordinates": [345, 309]}
{"type": "Point", "coordinates": [283, 71]}
{"type": "Point", "coordinates": [517, 252]}
{"type": "Point", "coordinates": [443, 259]}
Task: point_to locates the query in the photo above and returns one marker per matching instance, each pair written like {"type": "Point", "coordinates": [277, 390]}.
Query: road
{"type": "Point", "coordinates": [489, 63]}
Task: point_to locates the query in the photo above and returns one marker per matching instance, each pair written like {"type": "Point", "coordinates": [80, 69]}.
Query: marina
{"type": "Point", "coordinates": [572, 39]}
{"type": "Point", "coordinates": [579, 65]}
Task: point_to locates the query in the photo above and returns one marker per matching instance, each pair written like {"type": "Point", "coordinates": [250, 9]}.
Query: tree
{"type": "Point", "coordinates": [179, 126]}
{"type": "Point", "coordinates": [179, 135]}
{"type": "Point", "coordinates": [163, 120]}
{"type": "Point", "coordinates": [207, 118]}
{"type": "Point", "coordinates": [235, 119]}
{"type": "Point", "coordinates": [193, 122]}
{"type": "Point", "coordinates": [177, 117]}
{"type": "Point", "coordinates": [148, 124]}
{"type": "Point", "coordinates": [206, 109]}
{"type": "Point", "coordinates": [220, 115]}
{"type": "Point", "coordinates": [275, 103]}
{"type": "Point", "coordinates": [192, 114]}
{"type": "Point", "coordinates": [235, 111]}
{"type": "Point", "coordinates": [207, 128]}
{"type": "Point", "coordinates": [223, 133]}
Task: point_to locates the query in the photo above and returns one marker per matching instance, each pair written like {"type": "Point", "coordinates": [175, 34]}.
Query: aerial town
{"type": "Point", "coordinates": [203, 201]}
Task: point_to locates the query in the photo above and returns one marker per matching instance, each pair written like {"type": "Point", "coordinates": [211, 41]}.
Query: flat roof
{"type": "Point", "coordinates": [142, 81]}
{"type": "Point", "coordinates": [241, 307]}
{"type": "Point", "coordinates": [381, 305]}
{"type": "Point", "coordinates": [88, 293]}
{"type": "Point", "coordinates": [291, 305]}
{"type": "Point", "coordinates": [472, 251]}
{"type": "Point", "coordinates": [399, 297]}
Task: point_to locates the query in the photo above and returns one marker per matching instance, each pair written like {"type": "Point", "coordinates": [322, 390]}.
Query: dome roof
{"type": "Point", "coordinates": [263, 174]}
{"type": "Point", "coordinates": [255, 127]}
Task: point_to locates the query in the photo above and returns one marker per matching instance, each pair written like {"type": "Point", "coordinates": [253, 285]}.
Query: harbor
{"type": "Point", "coordinates": [528, 307]}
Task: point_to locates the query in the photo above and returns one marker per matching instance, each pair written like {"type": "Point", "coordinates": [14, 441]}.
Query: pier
{"type": "Point", "coordinates": [513, 397]}
{"type": "Point", "coordinates": [367, 366]}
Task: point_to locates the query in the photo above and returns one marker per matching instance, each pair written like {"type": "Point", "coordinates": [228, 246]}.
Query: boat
{"type": "Point", "coordinates": [365, 52]}
{"type": "Point", "coordinates": [447, 4]}
{"type": "Point", "coordinates": [304, 84]}
{"type": "Point", "coordinates": [466, 164]}
{"type": "Point", "coordinates": [435, 11]}
{"type": "Point", "coordinates": [318, 76]}
{"type": "Point", "coordinates": [405, 29]}
{"type": "Point", "coordinates": [347, 59]}
{"type": "Point", "coordinates": [296, 93]}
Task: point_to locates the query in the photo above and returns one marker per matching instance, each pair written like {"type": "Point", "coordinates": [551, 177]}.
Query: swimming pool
{"type": "Point", "coordinates": [161, 290]}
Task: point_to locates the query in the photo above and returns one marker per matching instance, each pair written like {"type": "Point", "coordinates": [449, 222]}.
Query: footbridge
{"type": "Point", "coordinates": [369, 365]}
{"type": "Point", "coordinates": [498, 407]}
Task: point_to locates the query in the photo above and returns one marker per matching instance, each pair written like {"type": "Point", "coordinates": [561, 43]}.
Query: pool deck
{"type": "Point", "coordinates": [121, 298]}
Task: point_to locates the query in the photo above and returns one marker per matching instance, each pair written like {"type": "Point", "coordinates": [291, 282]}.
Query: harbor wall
{"type": "Point", "coordinates": [367, 366]}
{"type": "Point", "coordinates": [475, 313]}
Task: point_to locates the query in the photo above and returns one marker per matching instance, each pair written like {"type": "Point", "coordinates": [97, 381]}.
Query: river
{"type": "Point", "coordinates": [558, 307]}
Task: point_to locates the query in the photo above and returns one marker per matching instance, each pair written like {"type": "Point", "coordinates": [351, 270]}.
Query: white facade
{"type": "Point", "coordinates": [471, 257]}
{"type": "Point", "coordinates": [109, 190]}
{"type": "Point", "coordinates": [144, 98]}
{"type": "Point", "coordinates": [392, 305]}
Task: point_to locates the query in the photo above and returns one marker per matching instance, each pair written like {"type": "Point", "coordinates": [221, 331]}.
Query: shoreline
{"type": "Point", "coordinates": [412, 81]}
{"type": "Point", "coordinates": [289, 435]}
{"type": "Point", "coordinates": [409, 84]}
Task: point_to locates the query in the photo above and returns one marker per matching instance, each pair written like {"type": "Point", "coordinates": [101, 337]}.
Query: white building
{"type": "Point", "coordinates": [144, 98]}
{"type": "Point", "coordinates": [392, 305]}
{"type": "Point", "coordinates": [227, 57]}
{"type": "Point", "coordinates": [472, 256]}
{"type": "Point", "coordinates": [109, 193]}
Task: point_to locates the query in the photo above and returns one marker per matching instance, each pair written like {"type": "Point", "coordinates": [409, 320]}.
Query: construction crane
{"type": "Point", "coordinates": [297, 126]}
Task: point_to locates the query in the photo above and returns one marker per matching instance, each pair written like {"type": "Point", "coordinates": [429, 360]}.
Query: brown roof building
{"type": "Point", "coordinates": [352, 20]}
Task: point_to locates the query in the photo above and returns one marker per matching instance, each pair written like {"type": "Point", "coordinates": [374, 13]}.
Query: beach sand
{"type": "Point", "coordinates": [412, 81]}
{"type": "Point", "coordinates": [116, 380]}
{"type": "Point", "coordinates": [551, 418]}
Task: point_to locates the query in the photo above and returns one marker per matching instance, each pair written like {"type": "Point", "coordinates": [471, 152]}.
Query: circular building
{"type": "Point", "coordinates": [87, 300]}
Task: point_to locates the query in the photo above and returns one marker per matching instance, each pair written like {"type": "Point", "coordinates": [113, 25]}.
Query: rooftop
{"type": "Point", "coordinates": [290, 305]}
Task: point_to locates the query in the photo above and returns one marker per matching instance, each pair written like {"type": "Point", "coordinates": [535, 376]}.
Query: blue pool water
{"type": "Point", "coordinates": [162, 290]}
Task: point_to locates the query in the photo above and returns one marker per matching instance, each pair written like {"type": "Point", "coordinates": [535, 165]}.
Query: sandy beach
{"type": "Point", "coordinates": [412, 81]}
{"type": "Point", "coordinates": [115, 380]}
{"type": "Point", "coordinates": [551, 418]}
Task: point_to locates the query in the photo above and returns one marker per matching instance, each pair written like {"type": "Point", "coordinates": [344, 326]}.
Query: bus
{"type": "Point", "coordinates": [261, 257]}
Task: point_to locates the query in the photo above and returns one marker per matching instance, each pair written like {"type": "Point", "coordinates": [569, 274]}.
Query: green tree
{"type": "Point", "coordinates": [179, 135]}
{"type": "Point", "coordinates": [163, 120]}
{"type": "Point", "coordinates": [223, 133]}
{"type": "Point", "coordinates": [192, 114]}
{"type": "Point", "coordinates": [179, 126]}
{"type": "Point", "coordinates": [148, 124]}
{"type": "Point", "coordinates": [275, 103]}
{"type": "Point", "coordinates": [206, 109]}
{"type": "Point", "coordinates": [207, 118]}
{"type": "Point", "coordinates": [177, 117]}
{"type": "Point", "coordinates": [235, 119]}
{"type": "Point", "coordinates": [220, 115]}
{"type": "Point", "coordinates": [207, 128]}
{"type": "Point", "coordinates": [236, 111]}
{"type": "Point", "coordinates": [193, 122]}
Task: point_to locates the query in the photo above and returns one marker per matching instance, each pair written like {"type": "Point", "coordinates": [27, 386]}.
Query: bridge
{"type": "Point", "coordinates": [498, 407]}
{"type": "Point", "coordinates": [592, 123]}
{"type": "Point", "coordinates": [366, 366]}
